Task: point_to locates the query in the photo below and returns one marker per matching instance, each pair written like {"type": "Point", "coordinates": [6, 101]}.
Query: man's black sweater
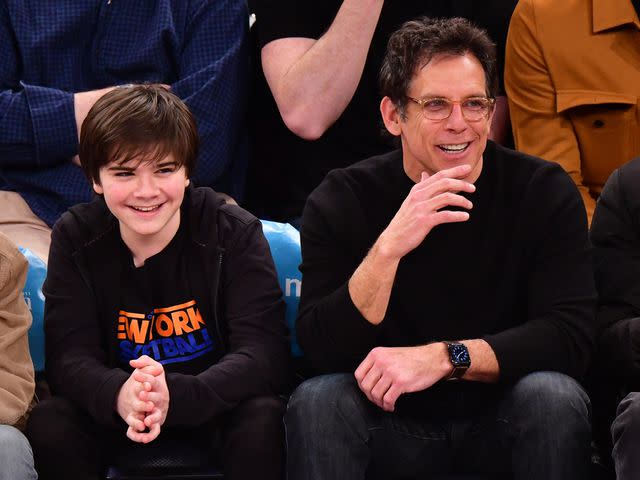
{"type": "Point", "coordinates": [517, 273]}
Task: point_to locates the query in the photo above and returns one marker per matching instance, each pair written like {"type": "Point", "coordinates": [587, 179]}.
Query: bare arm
{"type": "Point", "coordinates": [371, 283]}
{"type": "Point", "coordinates": [313, 81]}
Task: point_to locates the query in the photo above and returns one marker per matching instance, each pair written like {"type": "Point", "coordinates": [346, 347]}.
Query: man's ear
{"type": "Point", "coordinates": [98, 188]}
{"type": "Point", "coordinates": [186, 183]}
{"type": "Point", "coordinates": [390, 116]}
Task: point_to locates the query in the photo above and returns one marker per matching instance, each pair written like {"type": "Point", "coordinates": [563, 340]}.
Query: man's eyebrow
{"type": "Point", "coordinates": [431, 96]}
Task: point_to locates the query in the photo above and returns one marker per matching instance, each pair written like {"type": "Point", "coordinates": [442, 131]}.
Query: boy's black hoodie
{"type": "Point", "coordinates": [233, 272]}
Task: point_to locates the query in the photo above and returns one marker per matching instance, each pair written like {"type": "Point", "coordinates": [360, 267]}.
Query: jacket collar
{"type": "Point", "coordinates": [608, 14]}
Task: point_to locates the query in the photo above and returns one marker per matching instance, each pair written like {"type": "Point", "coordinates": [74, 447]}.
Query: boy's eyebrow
{"type": "Point", "coordinates": [120, 168]}
{"type": "Point", "coordinates": [171, 163]}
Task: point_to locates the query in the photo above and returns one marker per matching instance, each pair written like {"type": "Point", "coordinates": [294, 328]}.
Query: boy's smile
{"type": "Point", "coordinates": [145, 197]}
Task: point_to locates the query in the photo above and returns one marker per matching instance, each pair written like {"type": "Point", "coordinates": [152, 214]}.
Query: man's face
{"type": "Point", "coordinates": [433, 145]}
{"type": "Point", "coordinates": [145, 198]}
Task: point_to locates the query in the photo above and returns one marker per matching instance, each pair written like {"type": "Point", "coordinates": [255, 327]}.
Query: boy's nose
{"type": "Point", "coordinates": [146, 186]}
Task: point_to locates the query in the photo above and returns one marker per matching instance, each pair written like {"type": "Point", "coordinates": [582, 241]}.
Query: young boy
{"type": "Point", "coordinates": [163, 314]}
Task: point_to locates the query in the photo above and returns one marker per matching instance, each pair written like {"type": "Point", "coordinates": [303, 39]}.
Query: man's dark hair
{"type": "Point", "coordinates": [416, 42]}
{"type": "Point", "coordinates": [142, 122]}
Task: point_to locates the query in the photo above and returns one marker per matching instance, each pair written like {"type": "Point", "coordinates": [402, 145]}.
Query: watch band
{"type": "Point", "coordinates": [459, 358]}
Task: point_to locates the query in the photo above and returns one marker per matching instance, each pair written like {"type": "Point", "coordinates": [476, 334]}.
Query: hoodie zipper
{"type": "Point", "coordinates": [216, 316]}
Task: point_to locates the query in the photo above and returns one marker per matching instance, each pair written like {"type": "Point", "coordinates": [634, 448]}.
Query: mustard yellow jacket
{"type": "Point", "coordinates": [16, 369]}
{"type": "Point", "coordinates": [572, 75]}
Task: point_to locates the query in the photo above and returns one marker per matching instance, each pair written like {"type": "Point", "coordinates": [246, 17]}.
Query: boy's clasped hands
{"type": "Point", "coordinates": [143, 400]}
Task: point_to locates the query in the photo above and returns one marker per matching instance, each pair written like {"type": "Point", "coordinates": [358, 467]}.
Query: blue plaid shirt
{"type": "Point", "coordinates": [49, 50]}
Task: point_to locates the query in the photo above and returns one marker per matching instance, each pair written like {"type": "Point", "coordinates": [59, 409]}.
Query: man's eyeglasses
{"type": "Point", "coordinates": [439, 108]}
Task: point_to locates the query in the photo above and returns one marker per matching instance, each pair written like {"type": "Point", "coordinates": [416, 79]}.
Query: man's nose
{"type": "Point", "coordinates": [456, 120]}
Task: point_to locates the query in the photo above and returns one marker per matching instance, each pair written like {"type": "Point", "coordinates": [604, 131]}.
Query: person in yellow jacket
{"type": "Point", "coordinates": [17, 383]}
{"type": "Point", "coordinates": [572, 76]}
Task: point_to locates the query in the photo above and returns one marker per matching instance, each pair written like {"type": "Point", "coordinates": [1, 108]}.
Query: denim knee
{"type": "Point", "coordinates": [16, 458]}
{"type": "Point", "coordinates": [627, 418]}
{"type": "Point", "coordinates": [551, 401]}
{"type": "Point", "coordinates": [321, 402]}
{"type": "Point", "coordinates": [625, 432]}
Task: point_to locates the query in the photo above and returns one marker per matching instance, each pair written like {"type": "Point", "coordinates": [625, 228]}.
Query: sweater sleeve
{"type": "Point", "coordinates": [256, 362]}
{"type": "Point", "coordinates": [76, 358]}
{"type": "Point", "coordinates": [333, 334]}
{"type": "Point", "coordinates": [616, 241]}
{"type": "Point", "coordinates": [16, 370]}
{"type": "Point", "coordinates": [559, 328]}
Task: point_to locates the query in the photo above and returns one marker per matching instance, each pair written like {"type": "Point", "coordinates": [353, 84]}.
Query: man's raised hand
{"type": "Point", "coordinates": [425, 208]}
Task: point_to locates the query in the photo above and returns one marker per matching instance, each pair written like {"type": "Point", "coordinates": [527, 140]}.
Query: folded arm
{"type": "Point", "coordinates": [313, 80]}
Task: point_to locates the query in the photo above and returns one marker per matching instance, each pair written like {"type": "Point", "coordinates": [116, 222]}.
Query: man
{"type": "Point", "coordinates": [57, 59]}
{"type": "Point", "coordinates": [573, 84]}
{"type": "Point", "coordinates": [16, 370]}
{"type": "Point", "coordinates": [320, 109]}
{"type": "Point", "coordinates": [437, 262]}
{"type": "Point", "coordinates": [615, 236]}
{"type": "Point", "coordinates": [163, 316]}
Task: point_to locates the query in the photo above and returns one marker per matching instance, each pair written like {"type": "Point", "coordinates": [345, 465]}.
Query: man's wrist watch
{"type": "Point", "coordinates": [459, 358]}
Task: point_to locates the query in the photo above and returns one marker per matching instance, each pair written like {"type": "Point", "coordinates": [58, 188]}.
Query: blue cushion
{"type": "Point", "coordinates": [284, 241]}
{"type": "Point", "coordinates": [35, 301]}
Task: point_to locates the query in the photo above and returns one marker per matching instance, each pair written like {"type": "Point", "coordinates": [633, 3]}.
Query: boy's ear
{"type": "Point", "coordinates": [98, 188]}
{"type": "Point", "coordinates": [186, 183]}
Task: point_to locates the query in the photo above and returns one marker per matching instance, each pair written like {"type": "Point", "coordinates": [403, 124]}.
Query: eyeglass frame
{"type": "Point", "coordinates": [492, 103]}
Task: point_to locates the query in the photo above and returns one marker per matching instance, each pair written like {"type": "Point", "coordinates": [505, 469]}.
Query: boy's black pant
{"type": "Point", "coordinates": [247, 442]}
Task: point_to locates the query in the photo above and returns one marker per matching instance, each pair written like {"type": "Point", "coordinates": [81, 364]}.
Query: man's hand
{"type": "Point", "coordinates": [422, 210]}
{"type": "Point", "coordinates": [82, 103]}
{"type": "Point", "coordinates": [387, 373]}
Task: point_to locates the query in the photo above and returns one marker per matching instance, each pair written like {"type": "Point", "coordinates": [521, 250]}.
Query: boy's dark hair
{"type": "Point", "coordinates": [145, 122]}
{"type": "Point", "coordinates": [418, 41]}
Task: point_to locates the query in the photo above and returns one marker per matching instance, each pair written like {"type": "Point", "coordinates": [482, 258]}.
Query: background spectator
{"type": "Point", "coordinates": [321, 62]}
{"type": "Point", "coordinates": [16, 370]}
{"type": "Point", "coordinates": [615, 233]}
{"type": "Point", "coordinates": [573, 81]}
{"type": "Point", "coordinates": [57, 59]}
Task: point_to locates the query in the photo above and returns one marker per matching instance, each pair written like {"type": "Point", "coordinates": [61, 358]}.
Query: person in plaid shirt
{"type": "Point", "coordinates": [57, 59]}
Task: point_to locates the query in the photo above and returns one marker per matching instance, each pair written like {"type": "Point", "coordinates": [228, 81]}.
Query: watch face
{"type": "Point", "coordinates": [459, 354]}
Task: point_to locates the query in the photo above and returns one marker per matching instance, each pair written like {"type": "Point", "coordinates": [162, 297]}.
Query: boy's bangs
{"type": "Point", "coordinates": [123, 154]}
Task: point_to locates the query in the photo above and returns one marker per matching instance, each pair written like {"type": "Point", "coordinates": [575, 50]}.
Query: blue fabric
{"type": "Point", "coordinates": [49, 50]}
{"type": "Point", "coordinates": [34, 298]}
{"type": "Point", "coordinates": [284, 242]}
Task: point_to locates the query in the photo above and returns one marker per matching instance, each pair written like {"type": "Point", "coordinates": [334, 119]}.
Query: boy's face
{"type": "Point", "coordinates": [145, 198]}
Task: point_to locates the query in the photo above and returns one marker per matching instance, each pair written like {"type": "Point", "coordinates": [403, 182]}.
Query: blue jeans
{"type": "Point", "coordinates": [626, 438]}
{"type": "Point", "coordinates": [16, 459]}
{"type": "Point", "coordinates": [539, 428]}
